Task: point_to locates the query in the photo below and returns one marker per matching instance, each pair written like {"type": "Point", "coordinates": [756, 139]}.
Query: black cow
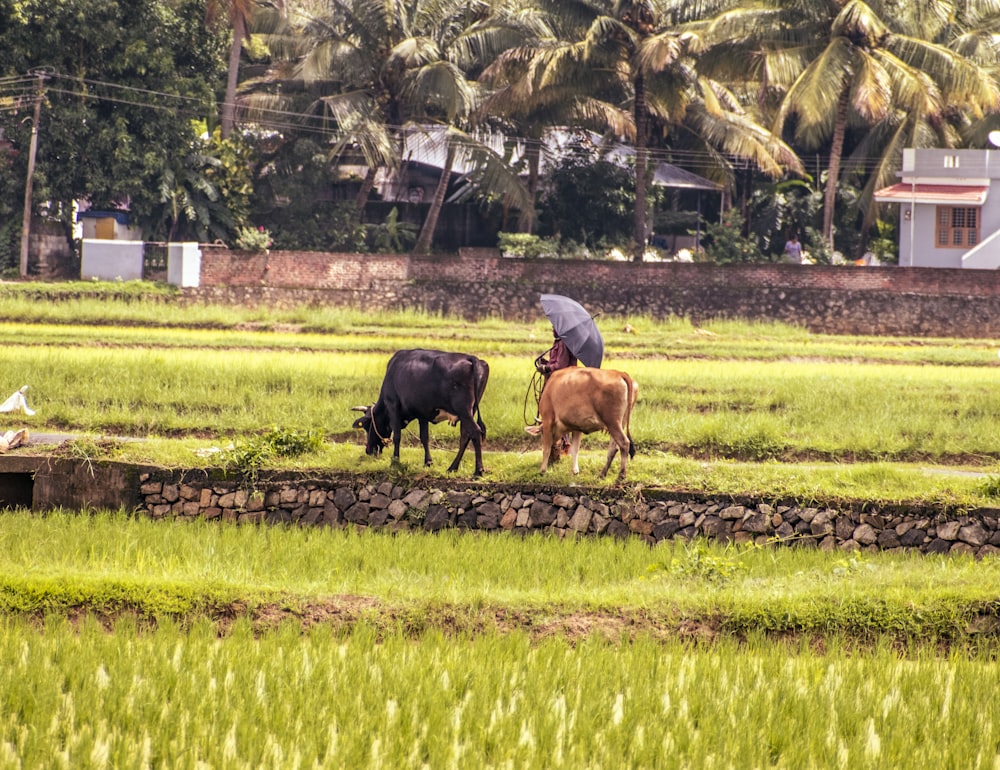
{"type": "Point", "coordinates": [428, 386]}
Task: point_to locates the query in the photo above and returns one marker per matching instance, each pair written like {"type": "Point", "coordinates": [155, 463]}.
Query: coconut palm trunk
{"type": "Point", "coordinates": [227, 117]}
{"type": "Point", "coordinates": [423, 245]}
{"type": "Point", "coordinates": [532, 155]}
{"type": "Point", "coordinates": [833, 170]}
{"type": "Point", "coordinates": [641, 122]}
{"type": "Point", "coordinates": [366, 190]}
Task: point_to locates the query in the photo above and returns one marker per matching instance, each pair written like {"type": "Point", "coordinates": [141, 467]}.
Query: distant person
{"type": "Point", "coordinates": [793, 251]}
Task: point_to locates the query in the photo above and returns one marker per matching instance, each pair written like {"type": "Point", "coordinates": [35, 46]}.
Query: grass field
{"type": "Point", "coordinates": [725, 407]}
{"type": "Point", "coordinates": [129, 642]}
{"type": "Point", "coordinates": [134, 643]}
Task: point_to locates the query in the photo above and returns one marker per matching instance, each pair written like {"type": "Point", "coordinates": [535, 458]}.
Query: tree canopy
{"type": "Point", "coordinates": [737, 91]}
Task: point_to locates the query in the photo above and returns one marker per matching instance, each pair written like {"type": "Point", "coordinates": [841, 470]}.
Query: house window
{"type": "Point", "coordinates": [957, 227]}
{"type": "Point", "coordinates": [951, 161]}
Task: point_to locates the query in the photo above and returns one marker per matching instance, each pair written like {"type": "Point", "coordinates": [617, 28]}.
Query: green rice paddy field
{"type": "Point", "coordinates": [127, 642]}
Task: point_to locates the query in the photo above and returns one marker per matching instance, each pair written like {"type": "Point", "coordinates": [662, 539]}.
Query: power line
{"type": "Point", "coordinates": [18, 89]}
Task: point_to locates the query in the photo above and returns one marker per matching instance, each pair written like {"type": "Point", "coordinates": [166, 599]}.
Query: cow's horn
{"type": "Point", "coordinates": [359, 408]}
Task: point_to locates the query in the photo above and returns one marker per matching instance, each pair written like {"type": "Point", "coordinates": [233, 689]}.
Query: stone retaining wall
{"type": "Point", "coordinates": [654, 516]}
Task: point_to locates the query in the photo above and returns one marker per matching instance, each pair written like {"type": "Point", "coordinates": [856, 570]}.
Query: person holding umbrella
{"type": "Point", "coordinates": [557, 357]}
{"type": "Point", "coordinates": [574, 328]}
{"type": "Point", "coordinates": [579, 341]}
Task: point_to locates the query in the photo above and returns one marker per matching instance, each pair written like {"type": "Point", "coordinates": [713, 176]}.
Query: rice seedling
{"type": "Point", "coordinates": [79, 696]}
{"type": "Point", "coordinates": [184, 570]}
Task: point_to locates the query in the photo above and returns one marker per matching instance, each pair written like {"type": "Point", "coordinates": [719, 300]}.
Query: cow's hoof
{"type": "Point", "coordinates": [452, 468]}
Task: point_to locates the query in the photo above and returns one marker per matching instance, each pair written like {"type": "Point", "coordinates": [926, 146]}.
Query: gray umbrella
{"type": "Point", "coordinates": [575, 327]}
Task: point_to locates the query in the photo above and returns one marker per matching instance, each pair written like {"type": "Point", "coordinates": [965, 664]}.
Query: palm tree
{"type": "Point", "coordinates": [526, 99]}
{"type": "Point", "coordinates": [632, 56]}
{"type": "Point", "coordinates": [838, 65]}
{"type": "Point", "coordinates": [238, 14]}
{"type": "Point", "coordinates": [385, 66]}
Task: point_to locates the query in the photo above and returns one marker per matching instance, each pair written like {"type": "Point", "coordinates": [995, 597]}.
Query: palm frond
{"type": "Point", "coordinates": [739, 136]}
{"type": "Point", "coordinates": [658, 52]}
{"type": "Point", "coordinates": [871, 94]}
{"type": "Point", "coordinates": [814, 94]}
{"type": "Point", "coordinates": [413, 52]}
{"type": "Point", "coordinates": [439, 86]}
{"type": "Point", "coordinates": [960, 79]}
{"type": "Point", "coordinates": [491, 172]}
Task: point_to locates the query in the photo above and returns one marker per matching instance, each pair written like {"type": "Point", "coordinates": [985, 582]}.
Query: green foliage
{"type": "Point", "coordinates": [725, 243]}
{"type": "Point", "coordinates": [779, 209]}
{"type": "Point", "coordinates": [231, 176]}
{"type": "Point", "coordinates": [253, 239]}
{"type": "Point", "coordinates": [393, 236]}
{"type": "Point", "coordinates": [699, 560]}
{"type": "Point", "coordinates": [816, 247]}
{"type": "Point", "coordinates": [250, 455]}
{"type": "Point", "coordinates": [990, 487]}
{"type": "Point", "coordinates": [11, 212]}
{"type": "Point", "coordinates": [88, 450]}
{"type": "Point", "coordinates": [852, 565]}
{"type": "Point", "coordinates": [885, 244]}
{"type": "Point", "coordinates": [201, 194]}
{"type": "Point", "coordinates": [527, 245]}
{"type": "Point", "coordinates": [589, 201]}
{"type": "Point", "coordinates": [110, 143]}
{"type": "Point", "coordinates": [291, 200]}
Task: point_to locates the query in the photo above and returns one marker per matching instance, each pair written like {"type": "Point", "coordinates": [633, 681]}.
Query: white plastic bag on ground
{"type": "Point", "coordinates": [13, 438]}
{"type": "Point", "coordinates": [17, 403]}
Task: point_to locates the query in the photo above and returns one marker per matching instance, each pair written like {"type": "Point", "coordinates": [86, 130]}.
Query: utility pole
{"type": "Point", "coordinates": [32, 151]}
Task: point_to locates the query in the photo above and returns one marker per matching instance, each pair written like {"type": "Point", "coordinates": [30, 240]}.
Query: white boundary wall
{"type": "Point", "coordinates": [183, 264]}
{"type": "Point", "coordinates": [111, 260]}
{"type": "Point", "coordinates": [123, 261]}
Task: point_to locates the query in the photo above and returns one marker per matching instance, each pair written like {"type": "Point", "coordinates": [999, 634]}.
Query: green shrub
{"type": "Point", "coordinates": [253, 239]}
{"type": "Point", "coordinates": [249, 455]}
{"type": "Point", "coordinates": [527, 245]}
{"type": "Point", "coordinates": [990, 487]}
{"type": "Point", "coordinates": [725, 243]}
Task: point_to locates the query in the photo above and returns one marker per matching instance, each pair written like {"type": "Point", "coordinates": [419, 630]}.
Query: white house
{"type": "Point", "coordinates": [947, 216]}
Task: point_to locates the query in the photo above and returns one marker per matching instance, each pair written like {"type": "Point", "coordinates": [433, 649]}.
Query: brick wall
{"type": "Point", "coordinates": [480, 283]}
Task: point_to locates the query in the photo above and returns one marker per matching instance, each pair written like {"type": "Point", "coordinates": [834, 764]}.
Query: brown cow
{"type": "Point", "coordinates": [582, 400]}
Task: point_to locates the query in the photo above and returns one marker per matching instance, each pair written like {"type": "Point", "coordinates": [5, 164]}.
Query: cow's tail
{"type": "Point", "coordinates": [632, 391]}
{"type": "Point", "coordinates": [480, 375]}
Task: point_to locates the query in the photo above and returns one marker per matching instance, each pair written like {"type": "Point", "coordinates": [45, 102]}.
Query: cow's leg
{"type": "Point", "coordinates": [396, 427]}
{"type": "Point", "coordinates": [574, 450]}
{"type": "Point", "coordinates": [477, 446]}
{"type": "Point", "coordinates": [619, 443]}
{"type": "Point", "coordinates": [612, 451]}
{"type": "Point", "coordinates": [550, 452]}
{"type": "Point", "coordinates": [425, 440]}
{"type": "Point", "coordinates": [464, 437]}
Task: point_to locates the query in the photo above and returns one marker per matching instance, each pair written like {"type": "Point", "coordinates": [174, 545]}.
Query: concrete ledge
{"type": "Point", "coordinates": [43, 483]}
